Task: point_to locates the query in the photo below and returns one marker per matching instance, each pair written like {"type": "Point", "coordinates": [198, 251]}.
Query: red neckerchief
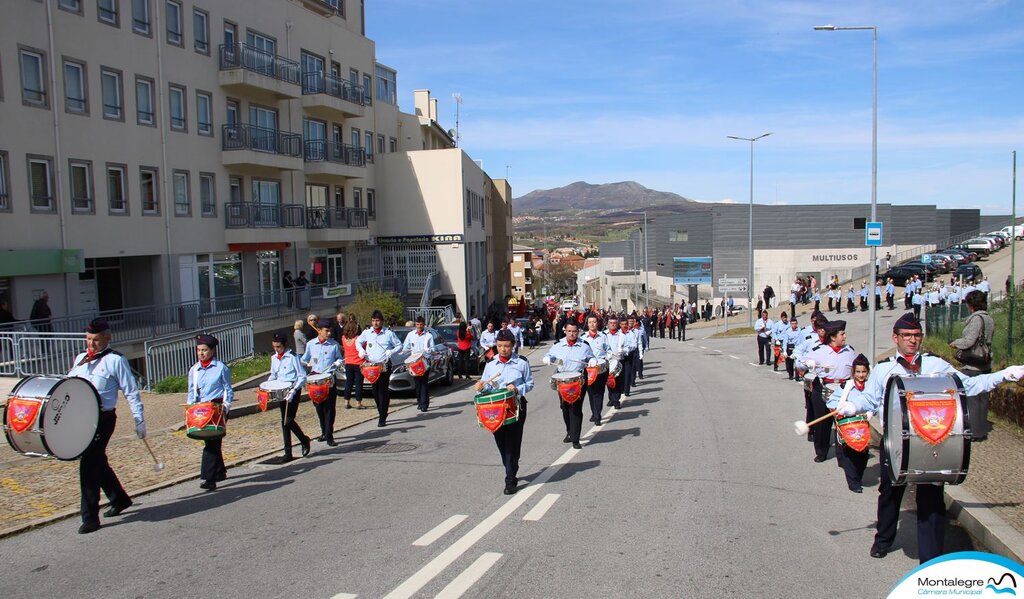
{"type": "Point", "coordinates": [837, 349]}
{"type": "Point", "coordinates": [377, 331]}
{"type": "Point", "coordinates": [90, 355]}
{"type": "Point", "coordinates": [503, 359]}
{"type": "Point", "coordinates": [280, 356]}
{"type": "Point", "coordinates": [911, 364]}
{"type": "Point", "coordinates": [206, 364]}
{"type": "Point", "coordinates": [570, 343]}
{"type": "Point", "coordinates": [593, 334]}
{"type": "Point", "coordinates": [419, 333]}
{"type": "Point", "coordinates": [859, 386]}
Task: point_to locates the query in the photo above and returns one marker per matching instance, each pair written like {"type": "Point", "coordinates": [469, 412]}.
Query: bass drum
{"type": "Point", "coordinates": [927, 434]}
{"type": "Point", "coordinates": [52, 416]}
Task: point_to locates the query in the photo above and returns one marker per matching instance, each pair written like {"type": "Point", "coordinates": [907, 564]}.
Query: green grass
{"type": "Point", "coordinates": [240, 370]}
{"type": "Point", "coordinates": [939, 336]}
{"type": "Point", "coordinates": [737, 332]}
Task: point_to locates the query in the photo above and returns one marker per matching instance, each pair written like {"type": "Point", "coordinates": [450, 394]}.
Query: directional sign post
{"type": "Point", "coordinates": [873, 234]}
{"type": "Point", "coordinates": [732, 288]}
{"type": "Point", "coordinates": [733, 281]}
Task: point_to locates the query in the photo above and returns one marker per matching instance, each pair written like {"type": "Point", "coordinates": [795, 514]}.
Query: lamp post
{"type": "Point", "coordinates": [647, 272]}
{"type": "Point", "coordinates": [750, 230]}
{"type": "Point", "coordinates": [874, 168]}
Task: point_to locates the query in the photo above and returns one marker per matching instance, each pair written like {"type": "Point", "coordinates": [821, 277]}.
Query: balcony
{"type": "Point", "coordinates": [255, 222]}
{"type": "Point", "coordinates": [329, 97]}
{"type": "Point", "coordinates": [325, 8]}
{"type": "Point", "coordinates": [249, 146]}
{"type": "Point", "coordinates": [245, 69]}
{"type": "Point", "coordinates": [334, 161]}
{"type": "Point", "coordinates": [320, 217]}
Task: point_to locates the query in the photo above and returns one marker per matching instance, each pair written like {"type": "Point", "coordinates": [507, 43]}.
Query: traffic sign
{"type": "Point", "coordinates": [733, 281]}
{"type": "Point", "coordinates": [873, 234]}
{"type": "Point", "coordinates": [732, 288]}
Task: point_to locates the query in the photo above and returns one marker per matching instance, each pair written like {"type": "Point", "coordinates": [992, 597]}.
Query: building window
{"type": "Point", "coordinates": [339, 196]}
{"type": "Point", "coordinates": [175, 35]}
{"type": "Point", "coordinates": [368, 146]}
{"type": "Point", "coordinates": [33, 78]}
{"type": "Point", "coordinates": [204, 113]}
{"type": "Point", "coordinates": [149, 190]}
{"type": "Point", "coordinates": [679, 236]}
{"type": "Point", "coordinates": [371, 203]}
{"type": "Point", "coordinates": [117, 188]}
{"type": "Point", "coordinates": [356, 138]}
{"type": "Point", "coordinates": [367, 89]}
{"type": "Point", "coordinates": [380, 144]}
{"type": "Point", "coordinates": [392, 144]}
{"type": "Point", "coordinates": [232, 112]}
{"type": "Point", "coordinates": [76, 99]}
{"type": "Point", "coordinates": [113, 96]}
{"type": "Point", "coordinates": [5, 189]}
{"type": "Point", "coordinates": [140, 17]}
{"type": "Point", "coordinates": [40, 183]}
{"type": "Point", "coordinates": [144, 103]}
{"type": "Point", "coordinates": [107, 12]}
{"type": "Point", "coordinates": [201, 31]}
{"type": "Point", "coordinates": [386, 85]}
{"type": "Point", "coordinates": [182, 199]}
{"type": "Point", "coordinates": [80, 173]}
{"type": "Point", "coordinates": [176, 98]}
{"type": "Point", "coordinates": [357, 197]}
{"type": "Point", "coordinates": [235, 190]}
{"type": "Point", "coordinates": [74, 6]}
{"type": "Point", "coordinates": [207, 194]}
{"type": "Point", "coordinates": [469, 208]}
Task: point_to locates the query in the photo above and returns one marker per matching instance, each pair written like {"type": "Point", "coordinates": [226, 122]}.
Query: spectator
{"type": "Point", "coordinates": [41, 315]}
{"type": "Point", "coordinates": [287, 284]}
{"type": "Point", "coordinates": [6, 317]}
{"type": "Point", "coordinates": [974, 352]}
{"type": "Point", "coordinates": [309, 328]}
{"type": "Point", "coordinates": [464, 342]}
{"type": "Point", "coordinates": [300, 338]}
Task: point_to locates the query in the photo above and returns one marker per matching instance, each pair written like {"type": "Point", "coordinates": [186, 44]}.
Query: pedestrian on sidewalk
{"type": "Point", "coordinates": [285, 366]}
{"type": "Point", "coordinates": [974, 352]}
{"type": "Point", "coordinates": [209, 379]}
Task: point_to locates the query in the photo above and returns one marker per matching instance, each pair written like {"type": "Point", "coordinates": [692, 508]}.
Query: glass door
{"type": "Point", "coordinates": [263, 49]}
{"type": "Point", "coordinates": [264, 138]}
{"type": "Point", "coordinates": [269, 265]}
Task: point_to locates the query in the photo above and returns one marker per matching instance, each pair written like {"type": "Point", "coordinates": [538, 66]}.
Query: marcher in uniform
{"type": "Point", "coordinates": [598, 343]}
{"type": "Point", "coordinates": [209, 379]}
{"type": "Point", "coordinates": [421, 341]}
{"type": "Point", "coordinates": [323, 355]}
{"type": "Point", "coordinates": [376, 345]}
{"type": "Point", "coordinates": [852, 462]}
{"type": "Point", "coordinates": [285, 366]}
{"type": "Point", "coordinates": [832, 362]}
{"type": "Point", "coordinates": [514, 374]}
{"type": "Point", "coordinates": [571, 355]}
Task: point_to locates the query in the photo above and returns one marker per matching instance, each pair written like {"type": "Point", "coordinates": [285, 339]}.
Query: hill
{"type": "Point", "coordinates": [581, 195]}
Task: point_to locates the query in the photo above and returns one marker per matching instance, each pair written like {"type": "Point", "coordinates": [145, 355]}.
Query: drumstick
{"type": "Point", "coordinates": [802, 427]}
{"type": "Point", "coordinates": [157, 464]}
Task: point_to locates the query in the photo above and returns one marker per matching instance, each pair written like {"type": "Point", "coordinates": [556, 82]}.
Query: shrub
{"type": "Point", "coordinates": [368, 299]}
{"type": "Point", "coordinates": [171, 384]}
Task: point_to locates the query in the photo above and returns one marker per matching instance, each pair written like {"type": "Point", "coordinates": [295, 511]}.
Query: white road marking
{"type": "Point", "coordinates": [542, 507]}
{"type": "Point", "coordinates": [752, 364]}
{"type": "Point", "coordinates": [344, 596]}
{"type": "Point", "coordinates": [701, 346]}
{"type": "Point", "coordinates": [469, 576]}
{"type": "Point", "coordinates": [439, 531]}
{"type": "Point", "coordinates": [734, 357]}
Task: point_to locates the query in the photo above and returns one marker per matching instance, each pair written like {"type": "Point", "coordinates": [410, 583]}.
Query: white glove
{"type": "Point", "coordinates": [546, 360]}
{"type": "Point", "coordinates": [293, 394]}
{"type": "Point", "coordinates": [846, 409]}
{"type": "Point", "coordinates": [140, 428]}
{"type": "Point", "coordinates": [592, 362]}
{"type": "Point", "coordinates": [869, 415]}
{"type": "Point", "coordinates": [338, 363]}
{"type": "Point", "coordinates": [810, 364]}
{"type": "Point", "coordinates": [1013, 373]}
{"type": "Point", "coordinates": [387, 354]}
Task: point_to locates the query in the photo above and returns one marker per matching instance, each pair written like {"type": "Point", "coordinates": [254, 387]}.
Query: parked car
{"type": "Point", "coordinates": [442, 367]}
{"type": "Point", "coordinates": [982, 247]}
{"type": "Point", "coordinates": [476, 358]}
{"type": "Point", "coordinates": [998, 240]}
{"type": "Point", "coordinates": [927, 270]}
{"type": "Point", "coordinates": [942, 263]}
{"type": "Point", "coordinates": [1015, 230]}
{"type": "Point", "coordinates": [971, 256]}
{"type": "Point", "coordinates": [901, 274]}
{"type": "Point", "coordinates": [956, 256]}
{"type": "Point", "coordinates": [968, 272]}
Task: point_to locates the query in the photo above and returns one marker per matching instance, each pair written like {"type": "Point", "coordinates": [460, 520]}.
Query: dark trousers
{"type": "Point", "coordinates": [863, 304]}
{"type": "Point", "coordinates": [890, 300]}
{"type": "Point", "coordinates": [661, 331]}
{"type": "Point", "coordinates": [95, 473]}
{"type": "Point", "coordinates": [213, 460]}
{"type": "Point", "coordinates": [353, 381]}
{"type": "Point", "coordinates": [422, 388]}
{"type": "Point", "coordinates": [639, 373]}
{"type": "Point", "coordinates": [878, 302]}
{"type": "Point", "coordinates": [572, 415]}
{"type": "Point", "coordinates": [830, 306]}
{"type": "Point", "coordinates": [790, 369]}
{"type": "Point", "coordinates": [509, 440]}
{"type": "Point", "coordinates": [817, 305]}
{"type": "Point", "coordinates": [614, 395]}
{"type": "Point", "coordinates": [977, 406]}
{"type": "Point", "coordinates": [931, 515]}
{"type": "Point", "coordinates": [792, 310]}
{"type": "Point", "coordinates": [628, 372]}
{"type": "Point", "coordinates": [764, 350]}
{"type": "Point", "coordinates": [917, 310]}
{"type": "Point", "coordinates": [682, 331]}
{"type": "Point", "coordinates": [808, 406]}
{"type": "Point", "coordinates": [671, 331]}
{"type": "Point", "coordinates": [850, 307]}
{"type": "Point", "coordinates": [852, 462]}
{"type": "Point", "coordinates": [326, 411]}
{"type": "Point", "coordinates": [596, 394]}
{"type": "Point", "coordinates": [382, 396]}
{"type": "Point", "coordinates": [289, 426]}
{"type": "Point", "coordinates": [823, 429]}
{"type": "Point", "coordinates": [462, 363]}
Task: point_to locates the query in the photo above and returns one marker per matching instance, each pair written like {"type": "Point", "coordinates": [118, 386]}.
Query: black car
{"type": "Point", "coordinates": [971, 256]}
{"type": "Point", "coordinates": [926, 271]}
{"type": "Point", "coordinates": [901, 274]}
{"type": "Point", "coordinates": [968, 272]}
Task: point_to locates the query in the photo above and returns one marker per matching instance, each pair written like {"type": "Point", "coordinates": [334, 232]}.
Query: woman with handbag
{"type": "Point", "coordinates": [974, 352]}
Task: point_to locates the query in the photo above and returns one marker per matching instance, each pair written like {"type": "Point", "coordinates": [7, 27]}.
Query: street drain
{"type": "Point", "coordinates": [391, 448]}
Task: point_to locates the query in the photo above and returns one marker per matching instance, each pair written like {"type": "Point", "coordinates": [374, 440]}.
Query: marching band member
{"type": "Point", "coordinates": [863, 297]}
{"type": "Point", "coordinates": [631, 361]}
{"type": "Point", "coordinates": [763, 329]}
{"type": "Point", "coordinates": [812, 338]}
{"type": "Point", "coordinates": [852, 462]}
{"type": "Point", "coordinates": [285, 366]}
{"type": "Point", "coordinates": [323, 355]}
{"type": "Point", "coordinates": [890, 294]}
{"type": "Point", "coordinates": [108, 371]}
{"type": "Point", "coordinates": [831, 298]}
{"type": "Point", "coordinates": [570, 355]}
{"type": "Point", "coordinates": [790, 338]}
{"type": "Point", "coordinates": [209, 379]}
{"type": "Point", "coordinates": [513, 372]}
{"type": "Point", "coordinates": [642, 342]}
{"type": "Point", "coordinates": [850, 296]}
{"type": "Point", "coordinates": [931, 508]}
{"type": "Point", "coordinates": [517, 331]}
{"type": "Point", "coordinates": [878, 294]}
{"type": "Point", "coordinates": [419, 341]}
{"type": "Point", "coordinates": [832, 362]}
{"type": "Point", "coordinates": [376, 345]}
{"type": "Point", "coordinates": [598, 343]}
{"type": "Point", "coordinates": [488, 339]}
{"type": "Point", "coordinates": [618, 342]}
{"type": "Point", "coordinates": [778, 329]}
{"type": "Point", "coordinates": [816, 298]}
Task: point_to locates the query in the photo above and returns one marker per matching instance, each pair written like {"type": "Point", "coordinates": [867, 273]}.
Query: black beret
{"type": "Point", "coordinates": [505, 335]}
{"type": "Point", "coordinates": [97, 326]}
{"type": "Point", "coordinates": [861, 360]}
{"type": "Point", "coordinates": [279, 338]}
{"type": "Point", "coordinates": [323, 324]}
{"type": "Point", "coordinates": [907, 322]}
{"type": "Point", "coordinates": [377, 314]}
{"type": "Point", "coordinates": [834, 326]}
{"type": "Point", "coordinates": [207, 340]}
{"type": "Point", "coordinates": [421, 319]}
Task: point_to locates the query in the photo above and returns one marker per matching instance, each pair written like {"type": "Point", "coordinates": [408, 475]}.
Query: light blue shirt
{"type": "Point", "coordinates": [516, 372]}
{"type": "Point", "coordinates": [984, 287]}
{"type": "Point", "coordinates": [212, 383]}
{"type": "Point", "coordinates": [321, 356]}
{"type": "Point", "coordinates": [863, 291]}
{"type": "Point", "coordinates": [778, 329]}
{"type": "Point", "coordinates": [830, 364]}
{"type": "Point", "coordinates": [890, 289]}
{"type": "Point", "coordinates": [598, 344]}
{"type": "Point", "coordinates": [516, 330]}
{"type": "Point", "coordinates": [109, 374]}
{"type": "Point", "coordinates": [287, 368]}
{"type": "Point", "coordinates": [372, 345]}
{"type": "Point", "coordinates": [850, 295]}
{"type": "Point", "coordinates": [574, 358]}
{"type": "Point", "coordinates": [619, 342]}
{"type": "Point", "coordinates": [809, 342]}
{"type": "Point", "coordinates": [417, 343]}
{"type": "Point", "coordinates": [488, 339]}
{"type": "Point", "coordinates": [791, 337]}
{"type": "Point", "coordinates": [763, 327]}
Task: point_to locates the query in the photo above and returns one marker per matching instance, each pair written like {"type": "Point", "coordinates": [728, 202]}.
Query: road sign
{"type": "Point", "coordinates": [873, 234]}
{"type": "Point", "coordinates": [733, 281]}
{"type": "Point", "coordinates": [732, 288]}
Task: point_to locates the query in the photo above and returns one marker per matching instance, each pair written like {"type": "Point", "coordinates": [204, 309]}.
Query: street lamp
{"type": "Point", "coordinates": [750, 231]}
{"type": "Point", "coordinates": [874, 168]}
{"type": "Point", "coordinates": [647, 273]}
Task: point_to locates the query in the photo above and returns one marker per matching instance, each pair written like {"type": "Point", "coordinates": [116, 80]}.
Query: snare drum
{"type": "Point", "coordinates": [595, 371]}
{"type": "Point", "coordinates": [417, 364]}
{"type": "Point", "coordinates": [926, 434]}
{"type": "Point", "coordinates": [318, 386]}
{"type": "Point", "coordinates": [52, 416]}
{"type": "Point", "coordinates": [205, 420]}
{"type": "Point", "coordinates": [271, 392]}
{"type": "Point", "coordinates": [854, 432]}
{"type": "Point", "coordinates": [371, 371]}
{"type": "Point", "coordinates": [569, 385]}
{"type": "Point", "coordinates": [496, 409]}
{"type": "Point", "coordinates": [614, 364]}
{"type": "Point", "coordinates": [809, 377]}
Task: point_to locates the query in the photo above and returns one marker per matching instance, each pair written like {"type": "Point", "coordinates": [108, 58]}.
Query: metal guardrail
{"type": "Point", "coordinates": [317, 82]}
{"type": "Point", "coordinates": [429, 286]}
{"type": "Point", "coordinates": [433, 315]}
{"type": "Point", "coordinates": [250, 58]}
{"type": "Point", "coordinates": [175, 354]}
{"type": "Point", "coordinates": [261, 139]}
{"type": "Point", "coordinates": [27, 353]}
{"type": "Point", "coordinates": [321, 150]}
{"type": "Point", "coordinates": [257, 215]}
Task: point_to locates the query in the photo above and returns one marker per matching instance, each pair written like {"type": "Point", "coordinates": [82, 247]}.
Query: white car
{"type": "Point", "coordinates": [568, 305]}
{"type": "Point", "coordinates": [1017, 231]}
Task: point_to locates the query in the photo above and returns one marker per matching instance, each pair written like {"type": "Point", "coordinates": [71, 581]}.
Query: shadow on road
{"type": "Point", "coordinates": [567, 471]}
{"type": "Point", "coordinates": [609, 436]}
{"type": "Point", "coordinates": [630, 415]}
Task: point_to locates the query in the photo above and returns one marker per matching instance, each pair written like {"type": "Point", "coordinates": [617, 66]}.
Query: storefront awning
{"type": "Point", "coordinates": [20, 263]}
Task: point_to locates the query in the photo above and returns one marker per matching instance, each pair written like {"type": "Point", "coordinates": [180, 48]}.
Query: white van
{"type": "Point", "coordinates": [1016, 231]}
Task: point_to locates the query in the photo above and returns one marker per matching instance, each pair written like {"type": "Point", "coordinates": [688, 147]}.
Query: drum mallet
{"type": "Point", "coordinates": [802, 428]}
{"type": "Point", "coordinates": [157, 464]}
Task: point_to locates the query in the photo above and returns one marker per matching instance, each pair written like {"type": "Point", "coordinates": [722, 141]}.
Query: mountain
{"type": "Point", "coordinates": [586, 196]}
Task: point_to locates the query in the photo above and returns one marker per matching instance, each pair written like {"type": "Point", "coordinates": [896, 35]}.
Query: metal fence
{"type": "Point", "coordinates": [433, 315]}
{"type": "Point", "coordinates": [941, 321]}
{"type": "Point", "coordinates": [31, 353]}
{"type": "Point", "coordinates": [175, 354]}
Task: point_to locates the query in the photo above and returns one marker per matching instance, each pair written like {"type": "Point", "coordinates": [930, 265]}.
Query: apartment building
{"type": "Point", "coordinates": [165, 151]}
{"type": "Point", "coordinates": [521, 275]}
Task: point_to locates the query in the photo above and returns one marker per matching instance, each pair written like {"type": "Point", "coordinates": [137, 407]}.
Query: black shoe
{"type": "Point", "coordinates": [321, 438]}
{"type": "Point", "coordinates": [88, 527]}
{"type": "Point", "coordinates": [617, 405]}
{"type": "Point", "coordinates": [810, 436]}
{"type": "Point", "coordinates": [332, 443]}
{"type": "Point", "coordinates": [510, 488]}
{"type": "Point", "coordinates": [287, 458]}
{"type": "Point", "coordinates": [857, 489]}
{"type": "Point", "coordinates": [878, 552]}
{"type": "Point", "coordinates": [305, 447]}
{"type": "Point", "coordinates": [348, 406]}
{"type": "Point", "coordinates": [381, 423]}
{"type": "Point", "coordinates": [576, 445]}
{"type": "Point", "coordinates": [820, 458]}
{"type": "Point", "coordinates": [220, 477]}
{"type": "Point", "coordinates": [597, 422]}
{"type": "Point", "coordinates": [567, 439]}
{"type": "Point", "coordinates": [209, 485]}
{"type": "Point", "coordinates": [591, 419]}
{"type": "Point", "coordinates": [117, 509]}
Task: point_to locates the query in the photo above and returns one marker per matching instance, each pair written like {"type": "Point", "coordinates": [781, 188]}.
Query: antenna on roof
{"type": "Point", "coordinates": [458, 102]}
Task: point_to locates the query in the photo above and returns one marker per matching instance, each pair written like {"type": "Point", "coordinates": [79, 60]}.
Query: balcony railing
{"type": "Point", "coordinates": [316, 82]}
{"type": "Point", "coordinates": [243, 56]}
{"type": "Point", "coordinates": [321, 217]}
{"type": "Point", "coordinates": [261, 139]}
{"type": "Point", "coordinates": [321, 150]}
{"type": "Point", "coordinates": [255, 215]}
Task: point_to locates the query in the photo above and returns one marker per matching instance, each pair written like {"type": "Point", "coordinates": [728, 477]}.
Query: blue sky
{"type": "Point", "coordinates": [648, 91]}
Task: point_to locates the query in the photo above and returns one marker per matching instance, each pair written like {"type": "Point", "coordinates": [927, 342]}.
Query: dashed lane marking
{"type": "Point", "coordinates": [469, 576]}
{"type": "Point", "coordinates": [734, 357]}
{"type": "Point", "coordinates": [440, 530]}
{"type": "Point", "coordinates": [542, 507]}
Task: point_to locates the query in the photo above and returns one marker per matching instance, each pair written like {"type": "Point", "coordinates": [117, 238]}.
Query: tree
{"type": "Point", "coordinates": [560, 278]}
